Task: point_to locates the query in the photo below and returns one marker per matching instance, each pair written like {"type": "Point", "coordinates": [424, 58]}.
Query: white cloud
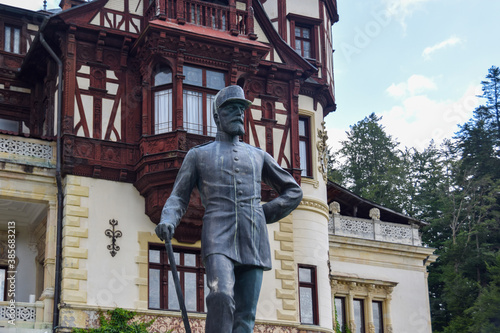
{"type": "Point", "coordinates": [397, 90]}
{"type": "Point", "coordinates": [453, 40]}
{"type": "Point", "coordinates": [401, 9]}
{"type": "Point", "coordinates": [32, 4]}
{"type": "Point", "coordinates": [414, 85]}
{"type": "Point", "coordinates": [419, 83]}
{"type": "Point", "coordinates": [335, 137]}
{"type": "Point", "coordinates": [418, 119]}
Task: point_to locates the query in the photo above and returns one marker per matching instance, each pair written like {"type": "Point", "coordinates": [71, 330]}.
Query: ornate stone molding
{"type": "Point", "coordinates": [322, 147]}
{"type": "Point", "coordinates": [27, 151]}
{"type": "Point", "coordinates": [314, 205]}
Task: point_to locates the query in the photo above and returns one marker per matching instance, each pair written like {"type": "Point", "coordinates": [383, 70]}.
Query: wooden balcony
{"type": "Point", "coordinates": [236, 17]}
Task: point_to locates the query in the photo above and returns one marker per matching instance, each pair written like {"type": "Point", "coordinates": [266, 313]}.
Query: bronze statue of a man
{"type": "Point", "coordinates": [234, 244]}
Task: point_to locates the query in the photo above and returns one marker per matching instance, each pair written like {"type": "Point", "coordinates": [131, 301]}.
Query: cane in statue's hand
{"type": "Point", "coordinates": [165, 232]}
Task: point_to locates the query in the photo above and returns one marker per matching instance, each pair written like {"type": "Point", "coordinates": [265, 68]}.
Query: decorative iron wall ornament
{"type": "Point", "coordinates": [113, 234]}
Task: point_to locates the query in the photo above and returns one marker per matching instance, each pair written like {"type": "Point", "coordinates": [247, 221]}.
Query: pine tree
{"type": "Point", "coordinates": [368, 163]}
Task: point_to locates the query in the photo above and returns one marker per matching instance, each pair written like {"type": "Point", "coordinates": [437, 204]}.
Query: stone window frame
{"type": "Point", "coordinates": [369, 291]}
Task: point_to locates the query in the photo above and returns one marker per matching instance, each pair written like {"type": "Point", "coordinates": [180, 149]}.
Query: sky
{"type": "Point", "coordinates": [416, 63]}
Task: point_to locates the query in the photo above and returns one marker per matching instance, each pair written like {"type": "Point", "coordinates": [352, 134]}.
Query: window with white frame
{"type": "Point", "coordinates": [363, 309]}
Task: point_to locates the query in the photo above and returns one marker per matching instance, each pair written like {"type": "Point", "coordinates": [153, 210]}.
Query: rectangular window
{"type": "Point", "coordinates": [162, 99]}
{"type": "Point", "coordinates": [163, 114]}
{"type": "Point", "coordinates": [200, 87]}
{"type": "Point", "coordinates": [378, 320]}
{"type": "Point", "coordinates": [9, 125]}
{"type": "Point", "coordinates": [303, 41]}
{"type": "Point", "coordinates": [162, 294]}
{"type": "Point", "coordinates": [367, 313]}
{"type": "Point", "coordinates": [308, 298]}
{"type": "Point", "coordinates": [340, 313]}
{"type": "Point", "coordinates": [359, 315]}
{"type": "Point", "coordinates": [12, 39]}
{"type": "Point", "coordinates": [304, 147]}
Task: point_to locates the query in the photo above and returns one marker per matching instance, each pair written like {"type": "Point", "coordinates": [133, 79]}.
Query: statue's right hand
{"type": "Point", "coordinates": [165, 231]}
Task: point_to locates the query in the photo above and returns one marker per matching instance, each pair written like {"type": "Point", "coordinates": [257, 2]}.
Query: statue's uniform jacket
{"type": "Point", "coordinates": [228, 174]}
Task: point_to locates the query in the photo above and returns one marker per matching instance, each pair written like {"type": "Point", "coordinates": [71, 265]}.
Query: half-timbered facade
{"type": "Point", "coordinates": [99, 104]}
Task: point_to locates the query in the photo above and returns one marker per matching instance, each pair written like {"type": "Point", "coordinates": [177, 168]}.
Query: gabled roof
{"type": "Point", "coordinates": [353, 205]}
{"type": "Point", "coordinates": [290, 57]}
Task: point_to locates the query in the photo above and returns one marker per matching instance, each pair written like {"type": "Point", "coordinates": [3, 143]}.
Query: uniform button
{"type": "Point", "coordinates": [235, 150]}
{"type": "Point", "coordinates": [242, 204]}
{"type": "Point", "coordinates": [239, 181]}
{"type": "Point", "coordinates": [240, 192]}
{"type": "Point", "coordinates": [236, 158]}
{"type": "Point", "coordinates": [237, 170]}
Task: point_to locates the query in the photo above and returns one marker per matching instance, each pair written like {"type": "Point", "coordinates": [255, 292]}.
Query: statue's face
{"type": "Point", "coordinates": [230, 119]}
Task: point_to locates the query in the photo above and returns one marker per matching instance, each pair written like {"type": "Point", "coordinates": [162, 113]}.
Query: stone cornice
{"type": "Point", "coordinates": [314, 205]}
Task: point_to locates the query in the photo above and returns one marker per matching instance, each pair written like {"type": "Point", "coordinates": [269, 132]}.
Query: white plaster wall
{"type": "Point", "coordinates": [409, 305]}
{"type": "Point", "coordinates": [268, 303]}
{"type": "Point", "coordinates": [135, 4]}
{"type": "Point", "coordinates": [118, 5]}
{"type": "Point", "coordinates": [111, 280]}
{"type": "Point", "coordinates": [96, 20]}
{"type": "Point", "coordinates": [306, 103]}
{"type": "Point", "coordinates": [311, 246]}
{"type": "Point", "coordinates": [300, 7]}
{"type": "Point", "coordinates": [271, 8]}
{"type": "Point", "coordinates": [261, 36]}
{"type": "Point", "coordinates": [26, 269]}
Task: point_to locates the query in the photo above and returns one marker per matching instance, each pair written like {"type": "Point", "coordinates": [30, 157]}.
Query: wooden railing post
{"type": "Point", "coordinates": [181, 15]}
{"type": "Point", "coordinates": [250, 22]}
{"type": "Point", "coordinates": [232, 18]}
{"type": "Point", "coordinates": [162, 10]}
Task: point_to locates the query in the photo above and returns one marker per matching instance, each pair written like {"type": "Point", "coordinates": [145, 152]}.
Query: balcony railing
{"type": "Point", "coordinates": [202, 13]}
{"type": "Point", "coordinates": [374, 229]}
{"type": "Point", "coordinates": [27, 151]}
{"type": "Point", "coordinates": [22, 315]}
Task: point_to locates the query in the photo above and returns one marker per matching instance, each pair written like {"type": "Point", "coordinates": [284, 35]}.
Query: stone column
{"type": "Point", "coordinates": [49, 263]}
{"type": "Point", "coordinates": [350, 308]}
{"type": "Point", "coordinates": [369, 311]}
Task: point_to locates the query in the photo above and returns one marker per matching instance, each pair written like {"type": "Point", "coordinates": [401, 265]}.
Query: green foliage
{"type": "Point", "coordinates": [485, 311]}
{"type": "Point", "coordinates": [339, 329]}
{"type": "Point", "coordinates": [369, 164]}
{"type": "Point", "coordinates": [120, 321]}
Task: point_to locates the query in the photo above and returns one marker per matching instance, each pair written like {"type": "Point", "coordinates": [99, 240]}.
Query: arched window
{"type": "Point", "coordinates": [162, 100]}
